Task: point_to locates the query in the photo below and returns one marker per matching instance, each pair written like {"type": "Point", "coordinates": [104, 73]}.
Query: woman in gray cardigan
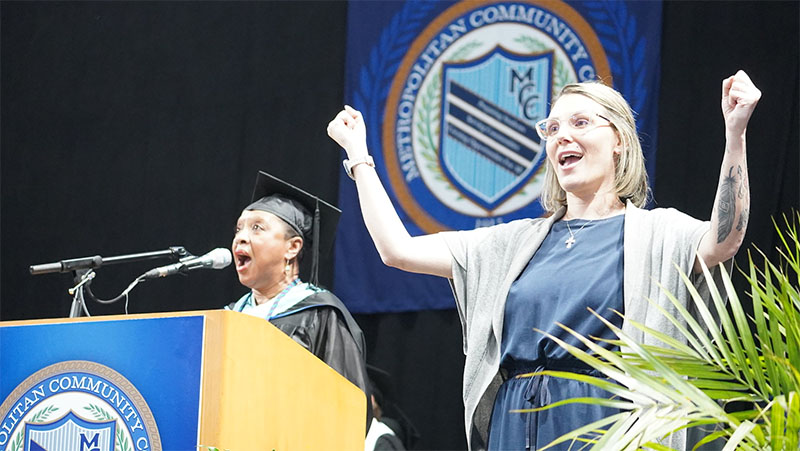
{"type": "Point", "coordinates": [511, 278]}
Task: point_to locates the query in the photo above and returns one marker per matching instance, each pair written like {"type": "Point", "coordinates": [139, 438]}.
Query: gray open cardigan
{"type": "Point", "coordinates": [487, 260]}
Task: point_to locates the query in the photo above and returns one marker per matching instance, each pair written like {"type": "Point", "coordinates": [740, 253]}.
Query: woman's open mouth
{"type": "Point", "coordinates": [242, 260]}
{"type": "Point", "coordinates": [569, 158]}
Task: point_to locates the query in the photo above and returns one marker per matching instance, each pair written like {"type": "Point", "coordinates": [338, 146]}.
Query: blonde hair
{"type": "Point", "coordinates": [630, 178]}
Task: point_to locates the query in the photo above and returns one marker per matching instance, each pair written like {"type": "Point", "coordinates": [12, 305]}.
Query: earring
{"type": "Point", "coordinates": [288, 268]}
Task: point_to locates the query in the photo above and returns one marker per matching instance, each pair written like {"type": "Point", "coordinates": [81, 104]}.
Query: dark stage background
{"type": "Point", "coordinates": [131, 127]}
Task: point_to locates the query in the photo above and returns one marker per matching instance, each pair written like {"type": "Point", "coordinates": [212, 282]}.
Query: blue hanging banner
{"type": "Point", "coordinates": [450, 92]}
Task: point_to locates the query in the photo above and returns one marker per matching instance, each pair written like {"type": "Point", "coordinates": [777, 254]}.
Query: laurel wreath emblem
{"type": "Point", "coordinates": [121, 442]}
{"type": "Point", "coordinates": [428, 115]}
{"type": "Point", "coordinates": [42, 415]}
{"type": "Point", "coordinates": [16, 445]}
{"type": "Point", "coordinates": [562, 74]}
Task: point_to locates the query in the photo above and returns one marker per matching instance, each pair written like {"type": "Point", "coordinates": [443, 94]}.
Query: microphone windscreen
{"type": "Point", "coordinates": [220, 258]}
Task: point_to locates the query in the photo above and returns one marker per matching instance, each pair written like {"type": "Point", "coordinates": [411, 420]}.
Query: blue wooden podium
{"type": "Point", "coordinates": [178, 381]}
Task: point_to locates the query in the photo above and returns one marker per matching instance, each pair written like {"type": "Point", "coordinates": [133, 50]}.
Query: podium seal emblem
{"type": "Point", "coordinates": [77, 405]}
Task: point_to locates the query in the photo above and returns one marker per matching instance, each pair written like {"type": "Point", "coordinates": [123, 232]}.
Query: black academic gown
{"type": "Point", "coordinates": [323, 325]}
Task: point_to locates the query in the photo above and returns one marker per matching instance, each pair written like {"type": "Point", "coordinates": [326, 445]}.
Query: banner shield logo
{"type": "Point", "coordinates": [489, 148]}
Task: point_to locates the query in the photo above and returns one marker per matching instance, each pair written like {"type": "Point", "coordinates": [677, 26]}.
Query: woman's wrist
{"type": "Point", "coordinates": [735, 140]}
{"type": "Point", "coordinates": [736, 134]}
{"type": "Point", "coordinates": [352, 163]}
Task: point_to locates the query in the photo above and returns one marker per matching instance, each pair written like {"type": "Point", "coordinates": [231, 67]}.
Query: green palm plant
{"type": "Point", "coordinates": [727, 357]}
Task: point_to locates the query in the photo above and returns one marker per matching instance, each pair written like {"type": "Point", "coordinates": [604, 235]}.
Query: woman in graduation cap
{"type": "Point", "coordinates": [533, 273]}
{"type": "Point", "coordinates": [272, 234]}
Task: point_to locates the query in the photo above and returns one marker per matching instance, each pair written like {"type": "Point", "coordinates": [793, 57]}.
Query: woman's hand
{"type": "Point", "coordinates": [349, 131]}
{"type": "Point", "coordinates": [739, 99]}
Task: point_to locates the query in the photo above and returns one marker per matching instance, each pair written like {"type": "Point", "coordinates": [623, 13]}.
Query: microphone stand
{"type": "Point", "coordinates": [83, 273]}
{"type": "Point", "coordinates": [82, 278]}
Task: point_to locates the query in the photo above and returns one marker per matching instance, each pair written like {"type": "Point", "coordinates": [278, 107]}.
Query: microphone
{"type": "Point", "coordinates": [216, 259]}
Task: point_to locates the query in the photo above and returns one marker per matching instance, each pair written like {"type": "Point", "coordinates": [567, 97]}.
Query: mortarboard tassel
{"type": "Point", "coordinates": [315, 246]}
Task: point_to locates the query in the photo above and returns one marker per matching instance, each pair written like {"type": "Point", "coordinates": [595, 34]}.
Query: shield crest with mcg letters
{"type": "Point", "coordinates": [488, 145]}
{"type": "Point", "coordinates": [70, 432]}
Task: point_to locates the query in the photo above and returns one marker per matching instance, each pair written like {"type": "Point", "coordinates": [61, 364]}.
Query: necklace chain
{"type": "Point", "coordinates": [280, 296]}
{"type": "Point", "coordinates": [571, 240]}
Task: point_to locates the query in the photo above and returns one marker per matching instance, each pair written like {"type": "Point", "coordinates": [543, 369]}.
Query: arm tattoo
{"type": "Point", "coordinates": [726, 209]}
{"type": "Point", "coordinates": [741, 185]}
{"type": "Point", "coordinates": [742, 224]}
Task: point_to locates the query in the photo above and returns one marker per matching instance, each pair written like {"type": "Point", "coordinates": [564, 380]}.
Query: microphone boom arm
{"type": "Point", "coordinates": [96, 261]}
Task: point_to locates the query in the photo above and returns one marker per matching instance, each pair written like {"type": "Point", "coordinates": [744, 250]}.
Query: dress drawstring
{"type": "Point", "coordinates": [537, 395]}
{"type": "Point", "coordinates": [538, 392]}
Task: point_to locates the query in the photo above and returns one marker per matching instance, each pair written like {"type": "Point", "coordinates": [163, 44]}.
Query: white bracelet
{"type": "Point", "coordinates": [350, 164]}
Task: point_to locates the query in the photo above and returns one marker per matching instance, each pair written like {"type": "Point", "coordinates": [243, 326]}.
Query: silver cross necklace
{"type": "Point", "coordinates": [571, 240]}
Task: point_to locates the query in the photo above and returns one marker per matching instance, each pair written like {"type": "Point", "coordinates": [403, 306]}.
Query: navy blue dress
{"type": "Point", "coordinates": [557, 286]}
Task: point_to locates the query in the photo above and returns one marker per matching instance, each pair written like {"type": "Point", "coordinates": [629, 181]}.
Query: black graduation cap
{"type": "Point", "coordinates": [380, 384]}
{"type": "Point", "coordinates": [382, 388]}
{"type": "Point", "coordinates": [313, 218]}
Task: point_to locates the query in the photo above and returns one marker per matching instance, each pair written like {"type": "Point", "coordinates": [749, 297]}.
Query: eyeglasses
{"type": "Point", "coordinates": [580, 123]}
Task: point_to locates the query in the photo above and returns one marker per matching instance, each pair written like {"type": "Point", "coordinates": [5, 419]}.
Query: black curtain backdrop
{"type": "Point", "coordinates": [131, 127]}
